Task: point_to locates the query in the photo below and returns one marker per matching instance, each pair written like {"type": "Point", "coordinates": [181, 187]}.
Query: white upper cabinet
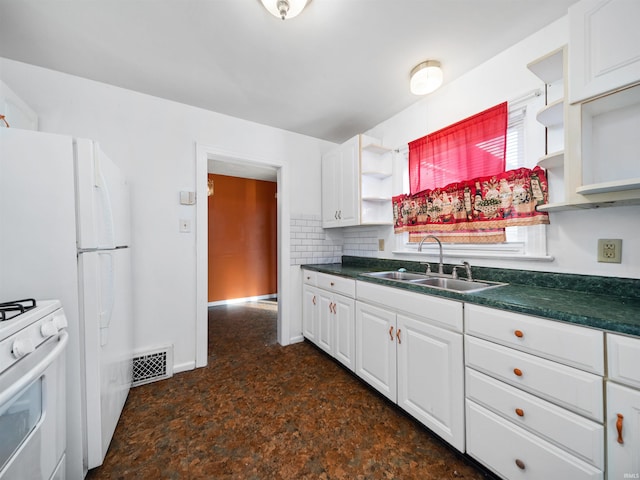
{"type": "Point", "coordinates": [604, 47]}
{"type": "Point", "coordinates": [356, 184]}
{"type": "Point", "coordinates": [340, 191]}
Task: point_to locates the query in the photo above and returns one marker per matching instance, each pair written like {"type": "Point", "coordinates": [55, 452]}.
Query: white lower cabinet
{"type": "Point", "coordinates": [430, 377]}
{"type": "Point", "coordinates": [410, 360]}
{"type": "Point", "coordinates": [310, 312]}
{"type": "Point", "coordinates": [376, 348]}
{"type": "Point", "coordinates": [623, 432]}
{"type": "Point", "coordinates": [524, 396]}
{"type": "Point", "coordinates": [530, 413]}
{"type": "Point", "coordinates": [623, 407]}
{"type": "Point", "coordinates": [514, 453]}
{"type": "Point", "coordinates": [328, 314]}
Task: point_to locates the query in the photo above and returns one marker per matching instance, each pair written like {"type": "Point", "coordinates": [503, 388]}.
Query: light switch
{"type": "Point", "coordinates": [187, 198]}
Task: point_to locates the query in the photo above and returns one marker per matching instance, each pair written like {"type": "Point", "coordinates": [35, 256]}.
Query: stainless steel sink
{"type": "Point", "coordinates": [435, 281]}
{"type": "Point", "coordinates": [395, 275]}
{"type": "Point", "coordinates": [456, 285]}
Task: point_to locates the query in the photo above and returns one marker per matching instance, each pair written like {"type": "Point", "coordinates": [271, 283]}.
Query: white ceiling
{"type": "Point", "coordinates": [338, 69]}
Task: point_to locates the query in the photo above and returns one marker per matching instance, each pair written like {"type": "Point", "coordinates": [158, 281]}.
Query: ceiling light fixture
{"type": "Point", "coordinates": [285, 8]}
{"type": "Point", "coordinates": [426, 77]}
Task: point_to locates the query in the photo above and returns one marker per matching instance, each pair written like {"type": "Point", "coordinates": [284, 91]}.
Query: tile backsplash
{"type": "Point", "coordinates": [312, 244]}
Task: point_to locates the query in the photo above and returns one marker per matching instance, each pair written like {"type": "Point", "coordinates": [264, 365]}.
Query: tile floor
{"type": "Point", "coordinates": [261, 411]}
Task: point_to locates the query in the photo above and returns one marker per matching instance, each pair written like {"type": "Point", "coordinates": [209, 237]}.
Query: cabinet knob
{"type": "Point", "coordinates": [520, 464]}
{"type": "Point", "coordinates": [517, 371]}
{"type": "Point", "coordinates": [519, 412]}
{"type": "Point", "coordinates": [391, 332]}
{"type": "Point", "coordinates": [398, 336]}
{"type": "Point", "coordinates": [332, 284]}
{"type": "Point", "coordinates": [518, 333]}
{"type": "Point", "coordinates": [619, 428]}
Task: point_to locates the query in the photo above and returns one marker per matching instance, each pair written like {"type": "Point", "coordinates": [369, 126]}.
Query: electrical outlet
{"type": "Point", "coordinates": [381, 244]}
{"type": "Point", "coordinates": [609, 250]}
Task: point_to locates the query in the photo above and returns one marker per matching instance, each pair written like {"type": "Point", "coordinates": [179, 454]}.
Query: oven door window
{"type": "Point", "coordinates": [18, 418]}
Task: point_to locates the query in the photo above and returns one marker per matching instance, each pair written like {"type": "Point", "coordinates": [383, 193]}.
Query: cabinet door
{"type": "Point", "coordinates": [604, 46]}
{"type": "Point", "coordinates": [325, 321]}
{"type": "Point", "coordinates": [431, 377]}
{"type": "Point", "coordinates": [344, 321]}
{"type": "Point", "coordinates": [310, 307]}
{"type": "Point", "coordinates": [623, 459]}
{"type": "Point", "coordinates": [376, 348]}
{"type": "Point", "coordinates": [349, 185]}
{"type": "Point", "coordinates": [330, 188]}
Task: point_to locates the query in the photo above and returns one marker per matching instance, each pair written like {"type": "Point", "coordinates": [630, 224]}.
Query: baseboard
{"type": "Point", "coordinates": [296, 339]}
{"type": "Point", "coordinates": [184, 367]}
{"type": "Point", "coordinates": [242, 300]}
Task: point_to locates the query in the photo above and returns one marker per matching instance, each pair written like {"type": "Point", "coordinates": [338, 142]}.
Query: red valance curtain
{"type": "Point", "coordinates": [473, 147]}
{"type": "Point", "coordinates": [475, 210]}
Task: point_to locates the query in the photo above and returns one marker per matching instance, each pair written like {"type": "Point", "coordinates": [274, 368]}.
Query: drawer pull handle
{"type": "Point", "coordinates": [520, 464]}
{"type": "Point", "coordinates": [314, 300]}
{"type": "Point", "coordinates": [391, 332]}
{"type": "Point", "coordinates": [398, 336]}
{"type": "Point", "coordinates": [518, 333]}
{"type": "Point", "coordinates": [517, 371]}
{"type": "Point", "coordinates": [619, 428]}
{"type": "Point", "coordinates": [519, 412]}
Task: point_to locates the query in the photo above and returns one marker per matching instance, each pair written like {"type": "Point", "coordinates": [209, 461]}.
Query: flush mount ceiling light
{"type": "Point", "coordinates": [426, 77]}
{"type": "Point", "coordinates": [285, 8]}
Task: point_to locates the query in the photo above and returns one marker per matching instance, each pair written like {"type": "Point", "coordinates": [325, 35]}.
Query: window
{"type": "Point", "coordinates": [525, 144]}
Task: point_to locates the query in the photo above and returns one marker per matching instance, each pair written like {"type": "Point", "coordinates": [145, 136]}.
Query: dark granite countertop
{"type": "Point", "coordinates": [569, 298]}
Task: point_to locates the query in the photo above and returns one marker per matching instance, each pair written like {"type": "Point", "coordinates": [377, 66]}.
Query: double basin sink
{"type": "Point", "coordinates": [436, 281]}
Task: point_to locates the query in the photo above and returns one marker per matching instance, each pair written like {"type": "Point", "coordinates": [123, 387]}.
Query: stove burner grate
{"type": "Point", "coordinates": [8, 310]}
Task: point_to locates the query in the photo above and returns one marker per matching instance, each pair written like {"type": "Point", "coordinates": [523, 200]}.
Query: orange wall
{"type": "Point", "coordinates": [242, 238]}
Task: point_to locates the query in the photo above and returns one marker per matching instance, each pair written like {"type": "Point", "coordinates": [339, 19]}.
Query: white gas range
{"type": "Point", "coordinates": [33, 338]}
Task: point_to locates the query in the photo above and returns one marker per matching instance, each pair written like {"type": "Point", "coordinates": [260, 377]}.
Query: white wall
{"type": "Point", "coordinates": [572, 235]}
{"type": "Point", "coordinates": [154, 142]}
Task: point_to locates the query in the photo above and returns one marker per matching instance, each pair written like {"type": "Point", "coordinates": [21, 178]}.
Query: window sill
{"type": "Point", "coordinates": [506, 252]}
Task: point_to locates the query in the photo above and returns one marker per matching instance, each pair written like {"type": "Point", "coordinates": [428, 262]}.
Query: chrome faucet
{"type": "Point", "coordinates": [467, 266]}
{"type": "Point", "coordinates": [441, 264]}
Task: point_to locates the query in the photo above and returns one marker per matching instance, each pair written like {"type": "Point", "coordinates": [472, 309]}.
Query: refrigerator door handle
{"type": "Point", "coordinates": [105, 199]}
{"type": "Point", "coordinates": [107, 297]}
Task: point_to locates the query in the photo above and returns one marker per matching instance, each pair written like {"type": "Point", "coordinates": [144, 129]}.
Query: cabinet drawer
{"type": "Point", "coordinates": [332, 283]}
{"type": "Point", "coordinates": [623, 354]}
{"type": "Point", "coordinates": [438, 311]}
{"type": "Point", "coordinates": [579, 391]}
{"type": "Point", "coordinates": [573, 345]}
{"type": "Point", "coordinates": [309, 277]}
{"type": "Point", "coordinates": [499, 444]}
{"type": "Point", "coordinates": [581, 437]}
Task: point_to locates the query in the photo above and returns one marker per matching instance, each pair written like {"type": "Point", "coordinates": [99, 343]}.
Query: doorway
{"type": "Point", "coordinates": [242, 238]}
{"type": "Point", "coordinates": [215, 160]}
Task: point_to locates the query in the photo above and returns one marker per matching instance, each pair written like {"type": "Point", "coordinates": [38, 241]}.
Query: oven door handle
{"type": "Point", "coordinates": [36, 371]}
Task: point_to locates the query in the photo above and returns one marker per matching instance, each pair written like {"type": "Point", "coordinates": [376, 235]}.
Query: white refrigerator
{"type": "Point", "coordinates": [65, 234]}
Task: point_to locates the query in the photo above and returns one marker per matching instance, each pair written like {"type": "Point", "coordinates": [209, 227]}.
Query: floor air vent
{"type": "Point", "coordinates": [152, 366]}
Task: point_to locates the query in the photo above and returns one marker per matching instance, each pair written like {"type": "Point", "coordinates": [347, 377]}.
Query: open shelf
{"type": "Point", "coordinates": [607, 187]}
{"type": "Point", "coordinates": [552, 115]}
{"type": "Point", "coordinates": [552, 160]}
{"type": "Point", "coordinates": [548, 68]}
{"type": "Point", "coordinates": [377, 174]}
{"type": "Point", "coordinates": [375, 148]}
{"type": "Point", "coordinates": [376, 199]}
